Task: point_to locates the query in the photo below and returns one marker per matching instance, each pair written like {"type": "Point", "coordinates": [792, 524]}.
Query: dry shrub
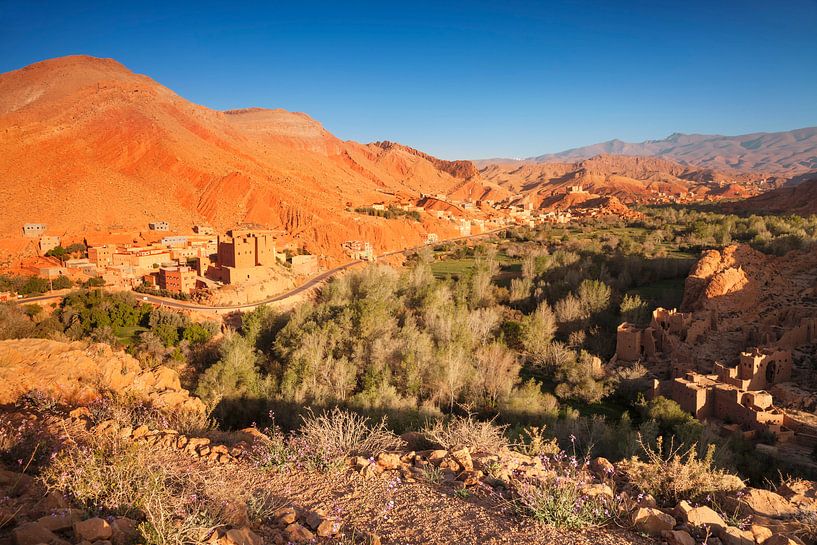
{"type": "Point", "coordinates": [176, 501]}
{"type": "Point", "coordinates": [466, 431]}
{"type": "Point", "coordinates": [533, 442]}
{"type": "Point", "coordinates": [679, 474]}
{"type": "Point", "coordinates": [330, 437]}
{"type": "Point", "coordinates": [563, 504]}
{"type": "Point", "coordinates": [564, 498]}
{"type": "Point", "coordinates": [130, 411]}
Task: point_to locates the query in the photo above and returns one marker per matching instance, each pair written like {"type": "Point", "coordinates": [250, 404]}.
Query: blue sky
{"type": "Point", "coordinates": [459, 79]}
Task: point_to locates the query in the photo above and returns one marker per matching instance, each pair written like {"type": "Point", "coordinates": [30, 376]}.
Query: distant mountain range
{"type": "Point", "coordinates": [788, 153]}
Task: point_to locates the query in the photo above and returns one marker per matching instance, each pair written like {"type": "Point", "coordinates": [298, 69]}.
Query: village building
{"type": "Point", "coordinates": [304, 265]}
{"type": "Point", "coordinates": [357, 249]}
{"type": "Point", "coordinates": [101, 256]}
{"type": "Point", "coordinates": [242, 254]}
{"type": "Point", "coordinates": [33, 230]}
{"type": "Point", "coordinates": [82, 265]}
{"type": "Point", "coordinates": [203, 230]}
{"type": "Point", "coordinates": [736, 397]}
{"type": "Point", "coordinates": [51, 272]}
{"type": "Point", "coordinates": [174, 241]}
{"type": "Point", "coordinates": [48, 243]}
{"type": "Point", "coordinates": [177, 279]}
{"type": "Point", "coordinates": [159, 226]}
{"type": "Point", "coordinates": [141, 258]}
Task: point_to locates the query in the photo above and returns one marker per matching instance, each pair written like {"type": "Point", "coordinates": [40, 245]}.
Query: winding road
{"type": "Point", "coordinates": [309, 284]}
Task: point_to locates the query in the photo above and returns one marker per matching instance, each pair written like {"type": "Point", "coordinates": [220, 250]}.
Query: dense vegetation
{"type": "Point", "coordinates": [390, 213]}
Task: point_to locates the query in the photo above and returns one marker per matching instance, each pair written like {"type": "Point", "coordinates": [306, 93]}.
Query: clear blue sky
{"type": "Point", "coordinates": [459, 79]}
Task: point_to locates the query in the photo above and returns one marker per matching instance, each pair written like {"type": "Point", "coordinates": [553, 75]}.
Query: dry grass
{"type": "Point", "coordinates": [129, 411]}
{"type": "Point", "coordinates": [532, 442]}
{"type": "Point", "coordinates": [330, 437]}
{"type": "Point", "coordinates": [176, 501]}
{"type": "Point", "coordinates": [679, 474]}
{"type": "Point", "coordinates": [466, 431]}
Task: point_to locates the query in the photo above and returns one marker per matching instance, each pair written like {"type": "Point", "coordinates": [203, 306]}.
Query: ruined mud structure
{"type": "Point", "coordinates": [748, 329]}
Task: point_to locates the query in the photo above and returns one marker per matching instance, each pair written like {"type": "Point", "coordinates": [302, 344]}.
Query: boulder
{"type": "Point", "coordinates": [735, 536]}
{"type": "Point", "coordinates": [602, 467]}
{"type": "Point", "coordinates": [760, 533]}
{"type": "Point", "coordinates": [701, 518]}
{"type": "Point", "coordinates": [285, 516]}
{"type": "Point", "coordinates": [388, 460]}
{"type": "Point", "coordinates": [241, 536]}
{"type": "Point", "coordinates": [33, 533]}
{"type": "Point", "coordinates": [652, 521]}
{"type": "Point", "coordinates": [677, 537]}
{"type": "Point", "coordinates": [298, 534]}
{"type": "Point", "coordinates": [756, 501]}
{"type": "Point", "coordinates": [94, 529]}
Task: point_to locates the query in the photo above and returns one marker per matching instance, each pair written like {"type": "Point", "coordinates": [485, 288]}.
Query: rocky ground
{"type": "Point", "coordinates": [80, 449]}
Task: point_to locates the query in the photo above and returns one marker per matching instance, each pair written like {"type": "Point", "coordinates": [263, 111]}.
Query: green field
{"type": "Point", "coordinates": [128, 335]}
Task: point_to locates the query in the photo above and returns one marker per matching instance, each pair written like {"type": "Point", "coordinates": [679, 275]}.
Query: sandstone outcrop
{"type": "Point", "coordinates": [726, 280]}
{"type": "Point", "coordinates": [78, 372]}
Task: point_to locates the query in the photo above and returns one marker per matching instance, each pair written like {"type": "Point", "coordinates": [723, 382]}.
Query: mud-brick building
{"type": "Point", "coordinates": [177, 279]}
{"type": "Point", "coordinates": [243, 252]}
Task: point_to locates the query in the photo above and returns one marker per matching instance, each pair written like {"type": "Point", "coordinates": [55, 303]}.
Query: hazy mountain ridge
{"type": "Point", "coordinates": [786, 153]}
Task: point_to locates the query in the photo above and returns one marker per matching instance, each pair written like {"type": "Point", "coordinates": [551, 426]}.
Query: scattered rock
{"type": "Point", "coordinates": [60, 520]}
{"type": "Point", "coordinates": [314, 518]}
{"type": "Point", "coordinates": [285, 516]}
{"type": "Point", "coordinates": [602, 467]}
{"type": "Point", "coordinates": [241, 536]}
{"type": "Point", "coordinates": [652, 521]}
{"type": "Point", "coordinates": [94, 529]}
{"type": "Point", "coordinates": [735, 536]}
{"type": "Point", "coordinates": [756, 501]}
{"type": "Point", "coordinates": [760, 533]}
{"type": "Point", "coordinates": [328, 528]}
{"type": "Point", "coordinates": [33, 533]}
{"type": "Point", "coordinates": [700, 517]}
{"type": "Point", "coordinates": [463, 458]}
{"type": "Point", "coordinates": [297, 533]}
{"type": "Point", "coordinates": [124, 530]}
{"type": "Point", "coordinates": [388, 460]}
{"type": "Point", "coordinates": [779, 539]}
{"type": "Point", "coordinates": [677, 537]}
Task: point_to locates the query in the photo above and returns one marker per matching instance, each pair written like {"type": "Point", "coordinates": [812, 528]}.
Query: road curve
{"type": "Point", "coordinates": [309, 284]}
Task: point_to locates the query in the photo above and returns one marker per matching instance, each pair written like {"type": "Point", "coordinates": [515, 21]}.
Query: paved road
{"type": "Point", "coordinates": [173, 303]}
